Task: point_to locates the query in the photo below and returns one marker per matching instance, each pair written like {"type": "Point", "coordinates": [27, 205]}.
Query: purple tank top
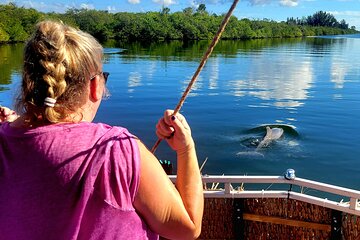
{"type": "Point", "coordinates": [69, 181]}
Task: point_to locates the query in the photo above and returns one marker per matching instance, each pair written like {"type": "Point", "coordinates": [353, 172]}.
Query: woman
{"type": "Point", "coordinates": [64, 177]}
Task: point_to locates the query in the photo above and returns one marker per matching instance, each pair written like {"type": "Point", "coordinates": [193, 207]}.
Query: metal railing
{"type": "Point", "coordinates": [228, 191]}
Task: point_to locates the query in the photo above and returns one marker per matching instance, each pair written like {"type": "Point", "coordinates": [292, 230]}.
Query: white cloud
{"type": "Point", "coordinates": [164, 2]}
{"type": "Point", "coordinates": [346, 13]}
{"type": "Point", "coordinates": [87, 6]}
{"type": "Point", "coordinates": [286, 3]}
{"type": "Point", "coordinates": [30, 3]}
{"type": "Point", "coordinates": [259, 2]}
{"type": "Point", "coordinates": [351, 17]}
{"type": "Point", "coordinates": [134, 1]}
{"type": "Point", "coordinates": [289, 3]}
{"type": "Point", "coordinates": [111, 8]}
{"type": "Point", "coordinates": [198, 2]}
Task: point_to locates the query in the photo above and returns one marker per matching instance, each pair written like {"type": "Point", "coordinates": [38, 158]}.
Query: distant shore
{"type": "Point", "coordinates": [17, 23]}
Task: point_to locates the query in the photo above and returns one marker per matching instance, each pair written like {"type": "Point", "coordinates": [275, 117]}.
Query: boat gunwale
{"type": "Point", "coordinates": [229, 192]}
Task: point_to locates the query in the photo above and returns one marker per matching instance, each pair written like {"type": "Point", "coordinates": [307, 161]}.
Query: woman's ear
{"type": "Point", "coordinates": [96, 89]}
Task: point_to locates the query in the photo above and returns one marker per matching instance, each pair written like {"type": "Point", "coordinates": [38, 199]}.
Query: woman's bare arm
{"type": "Point", "coordinates": [173, 212]}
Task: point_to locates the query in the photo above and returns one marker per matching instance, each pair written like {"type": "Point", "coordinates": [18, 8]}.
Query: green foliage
{"type": "Point", "coordinates": [97, 23]}
{"type": "Point", "coordinates": [185, 25]}
{"type": "Point", "coordinates": [17, 23]}
{"type": "Point", "coordinates": [17, 33]}
{"type": "Point", "coordinates": [201, 9]}
{"type": "Point", "coordinates": [188, 11]}
{"type": "Point", "coordinates": [165, 10]}
{"type": "Point", "coordinates": [320, 19]}
{"type": "Point", "coordinates": [4, 36]}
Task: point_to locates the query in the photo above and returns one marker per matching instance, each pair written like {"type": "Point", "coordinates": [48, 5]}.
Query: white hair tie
{"type": "Point", "coordinates": [50, 102]}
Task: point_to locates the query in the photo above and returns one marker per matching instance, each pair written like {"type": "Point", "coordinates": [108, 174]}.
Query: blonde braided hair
{"type": "Point", "coordinates": [58, 62]}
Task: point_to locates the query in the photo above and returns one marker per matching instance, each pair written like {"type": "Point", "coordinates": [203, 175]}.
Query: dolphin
{"type": "Point", "coordinates": [272, 134]}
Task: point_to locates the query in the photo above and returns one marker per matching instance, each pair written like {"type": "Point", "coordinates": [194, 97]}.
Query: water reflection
{"type": "Point", "coordinates": [280, 72]}
{"type": "Point", "coordinates": [10, 62]}
{"type": "Point", "coordinates": [285, 82]}
{"type": "Point", "coordinates": [194, 50]}
{"type": "Point", "coordinates": [338, 73]}
{"type": "Point", "coordinates": [134, 81]}
{"type": "Point", "coordinates": [345, 63]}
{"type": "Point", "coordinates": [213, 73]}
{"type": "Point", "coordinates": [207, 82]}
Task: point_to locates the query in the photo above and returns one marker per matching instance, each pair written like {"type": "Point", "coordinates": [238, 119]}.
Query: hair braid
{"type": "Point", "coordinates": [58, 61]}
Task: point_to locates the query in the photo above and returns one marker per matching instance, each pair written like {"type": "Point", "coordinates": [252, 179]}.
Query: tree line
{"type": "Point", "coordinates": [17, 23]}
{"type": "Point", "coordinates": [320, 19]}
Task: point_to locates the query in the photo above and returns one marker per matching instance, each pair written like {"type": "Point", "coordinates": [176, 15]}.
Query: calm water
{"type": "Point", "coordinates": [310, 87]}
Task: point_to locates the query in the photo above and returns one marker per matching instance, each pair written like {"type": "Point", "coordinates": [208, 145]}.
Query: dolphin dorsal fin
{"type": "Point", "coordinates": [276, 133]}
{"type": "Point", "coordinates": [268, 133]}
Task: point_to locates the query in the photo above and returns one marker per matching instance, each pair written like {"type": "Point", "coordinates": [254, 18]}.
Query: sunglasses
{"type": "Point", "coordinates": [105, 75]}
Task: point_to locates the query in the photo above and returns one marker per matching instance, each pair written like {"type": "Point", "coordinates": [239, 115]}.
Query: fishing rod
{"type": "Point", "coordinates": [202, 64]}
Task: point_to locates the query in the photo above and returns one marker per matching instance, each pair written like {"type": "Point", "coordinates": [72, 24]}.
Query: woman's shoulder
{"type": "Point", "coordinates": [107, 132]}
{"type": "Point", "coordinates": [106, 128]}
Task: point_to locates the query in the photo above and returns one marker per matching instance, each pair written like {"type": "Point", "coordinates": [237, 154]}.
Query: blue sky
{"type": "Point", "coordinates": [277, 10]}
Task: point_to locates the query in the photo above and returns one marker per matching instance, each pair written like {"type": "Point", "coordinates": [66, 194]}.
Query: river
{"type": "Point", "coordinates": [309, 87]}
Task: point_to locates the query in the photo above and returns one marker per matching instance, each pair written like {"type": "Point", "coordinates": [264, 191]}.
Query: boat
{"type": "Point", "coordinates": [278, 207]}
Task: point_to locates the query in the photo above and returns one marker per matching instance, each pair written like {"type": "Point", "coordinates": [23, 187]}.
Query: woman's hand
{"type": "Point", "coordinates": [7, 115]}
{"type": "Point", "coordinates": [176, 131]}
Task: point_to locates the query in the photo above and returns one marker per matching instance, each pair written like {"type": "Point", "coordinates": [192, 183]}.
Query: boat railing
{"type": "Point", "coordinates": [225, 187]}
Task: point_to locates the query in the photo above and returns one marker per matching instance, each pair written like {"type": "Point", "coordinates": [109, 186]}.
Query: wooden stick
{"type": "Point", "coordinates": [202, 63]}
{"type": "Point", "coordinates": [203, 165]}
